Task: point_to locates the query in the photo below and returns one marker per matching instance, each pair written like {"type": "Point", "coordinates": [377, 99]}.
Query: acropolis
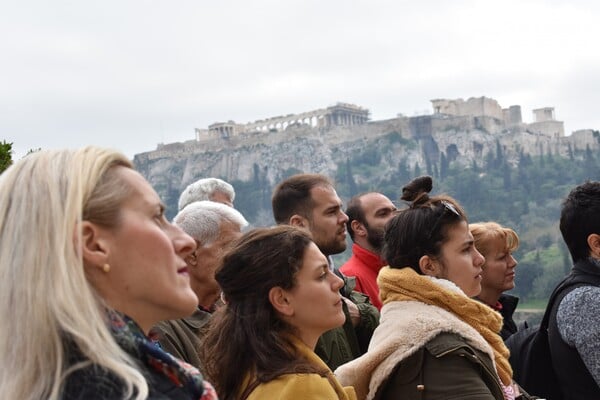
{"type": "Point", "coordinates": [480, 112]}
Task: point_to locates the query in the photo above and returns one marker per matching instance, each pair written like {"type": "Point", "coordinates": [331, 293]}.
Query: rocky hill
{"type": "Point", "coordinates": [423, 142]}
{"type": "Point", "coordinates": [497, 167]}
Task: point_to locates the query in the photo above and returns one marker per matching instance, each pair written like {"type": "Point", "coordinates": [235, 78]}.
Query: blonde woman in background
{"type": "Point", "coordinates": [88, 263]}
{"type": "Point", "coordinates": [497, 244]}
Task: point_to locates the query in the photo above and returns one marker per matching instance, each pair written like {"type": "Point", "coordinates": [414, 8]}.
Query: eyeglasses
{"type": "Point", "coordinates": [448, 207]}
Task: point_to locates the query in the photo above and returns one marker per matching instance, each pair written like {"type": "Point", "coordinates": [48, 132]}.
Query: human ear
{"type": "Point", "coordinates": [279, 301]}
{"type": "Point", "coordinates": [192, 258]}
{"type": "Point", "coordinates": [298, 221]}
{"type": "Point", "coordinates": [428, 266]}
{"type": "Point", "coordinates": [358, 228]}
{"type": "Point", "coordinates": [94, 248]}
{"type": "Point", "coordinates": [593, 241]}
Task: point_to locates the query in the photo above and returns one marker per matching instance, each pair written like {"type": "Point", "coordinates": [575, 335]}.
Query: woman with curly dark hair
{"type": "Point", "coordinates": [280, 296]}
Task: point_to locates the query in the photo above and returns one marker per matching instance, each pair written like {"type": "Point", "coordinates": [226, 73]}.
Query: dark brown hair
{"type": "Point", "coordinates": [355, 212]}
{"type": "Point", "coordinates": [580, 217]}
{"type": "Point", "coordinates": [292, 196]}
{"type": "Point", "coordinates": [422, 228]}
{"type": "Point", "coordinates": [246, 336]}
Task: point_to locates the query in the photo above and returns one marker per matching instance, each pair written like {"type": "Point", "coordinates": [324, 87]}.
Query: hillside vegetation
{"type": "Point", "coordinates": [526, 196]}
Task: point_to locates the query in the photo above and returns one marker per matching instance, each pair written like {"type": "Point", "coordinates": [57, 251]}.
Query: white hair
{"type": "Point", "coordinates": [46, 299]}
{"type": "Point", "coordinates": [202, 220]}
{"type": "Point", "coordinates": [204, 189]}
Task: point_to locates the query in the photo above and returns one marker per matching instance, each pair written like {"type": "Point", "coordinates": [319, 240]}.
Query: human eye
{"type": "Point", "coordinates": [323, 274]}
{"type": "Point", "coordinates": [160, 215]}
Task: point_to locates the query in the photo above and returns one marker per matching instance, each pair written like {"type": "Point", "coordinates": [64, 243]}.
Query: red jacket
{"type": "Point", "coordinates": [364, 266]}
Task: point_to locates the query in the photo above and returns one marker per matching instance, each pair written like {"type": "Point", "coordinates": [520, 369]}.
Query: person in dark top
{"type": "Point", "coordinates": [574, 324]}
{"type": "Point", "coordinates": [88, 265]}
{"type": "Point", "coordinates": [497, 244]}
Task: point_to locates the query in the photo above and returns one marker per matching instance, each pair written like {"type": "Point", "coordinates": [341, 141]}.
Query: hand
{"type": "Point", "coordinates": [353, 311]}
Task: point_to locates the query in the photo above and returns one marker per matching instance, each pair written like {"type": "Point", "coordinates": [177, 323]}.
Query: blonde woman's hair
{"type": "Point", "coordinates": [47, 305]}
{"type": "Point", "coordinates": [486, 233]}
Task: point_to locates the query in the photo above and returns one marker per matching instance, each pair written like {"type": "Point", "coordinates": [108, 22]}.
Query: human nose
{"type": "Point", "coordinates": [479, 259]}
{"type": "Point", "coordinates": [343, 217]}
{"type": "Point", "coordinates": [184, 244]}
{"type": "Point", "coordinates": [337, 283]}
{"type": "Point", "coordinates": [512, 262]}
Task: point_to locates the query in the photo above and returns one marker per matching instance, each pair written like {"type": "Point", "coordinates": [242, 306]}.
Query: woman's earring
{"type": "Point", "coordinates": [106, 268]}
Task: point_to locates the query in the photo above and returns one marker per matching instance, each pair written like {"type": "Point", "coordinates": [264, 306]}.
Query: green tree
{"type": "Point", "coordinates": [5, 155]}
{"type": "Point", "coordinates": [499, 155]}
{"type": "Point", "coordinates": [352, 188]}
{"type": "Point", "coordinates": [417, 170]}
{"type": "Point", "coordinates": [444, 166]}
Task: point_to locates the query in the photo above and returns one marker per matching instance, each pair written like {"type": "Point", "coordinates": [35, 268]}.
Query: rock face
{"type": "Point", "coordinates": [422, 140]}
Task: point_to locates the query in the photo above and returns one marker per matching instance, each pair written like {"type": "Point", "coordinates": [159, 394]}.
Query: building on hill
{"type": "Point", "coordinates": [449, 115]}
{"type": "Point", "coordinates": [545, 123]}
{"type": "Point", "coordinates": [473, 107]}
{"type": "Point", "coordinates": [340, 114]}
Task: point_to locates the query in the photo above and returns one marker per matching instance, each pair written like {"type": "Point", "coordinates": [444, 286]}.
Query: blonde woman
{"type": "Point", "coordinates": [497, 244]}
{"type": "Point", "coordinates": [88, 264]}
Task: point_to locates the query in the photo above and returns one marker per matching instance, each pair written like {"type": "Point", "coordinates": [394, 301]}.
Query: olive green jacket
{"type": "Point", "coordinates": [181, 337]}
{"type": "Point", "coordinates": [446, 367]}
{"type": "Point", "coordinates": [420, 351]}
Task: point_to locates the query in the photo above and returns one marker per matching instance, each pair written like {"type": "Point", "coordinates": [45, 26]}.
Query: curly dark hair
{"type": "Point", "coordinates": [246, 336]}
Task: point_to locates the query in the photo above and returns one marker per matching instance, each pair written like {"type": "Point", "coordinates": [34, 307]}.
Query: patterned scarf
{"type": "Point", "coordinates": [131, 338]}
{"type": "Point", "coordinates": [405, 284]}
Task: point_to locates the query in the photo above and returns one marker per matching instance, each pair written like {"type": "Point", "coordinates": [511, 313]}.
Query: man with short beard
{"type": "Point", "coordinates": [310, 202]}
{"type": "Point", "coordinates": [367, 215]}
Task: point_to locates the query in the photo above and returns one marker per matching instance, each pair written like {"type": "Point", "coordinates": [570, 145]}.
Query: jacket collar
{"type": "Point", "coordinates": [589, 266]}
{"type": "Point", "coordinates": [368, 258]}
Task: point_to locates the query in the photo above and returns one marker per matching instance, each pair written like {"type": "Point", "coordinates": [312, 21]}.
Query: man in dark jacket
{"type": "Point", "coordinates": [574, 325]}
{"type": "Point", "coordinates": [309, 201]}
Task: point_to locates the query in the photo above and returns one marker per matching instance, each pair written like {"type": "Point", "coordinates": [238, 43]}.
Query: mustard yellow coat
{"type": "Point", "coordinates": [303, 386]}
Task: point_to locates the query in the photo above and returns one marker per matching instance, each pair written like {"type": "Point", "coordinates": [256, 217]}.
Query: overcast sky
{"type": "Point", "coordinates": [130, 74]}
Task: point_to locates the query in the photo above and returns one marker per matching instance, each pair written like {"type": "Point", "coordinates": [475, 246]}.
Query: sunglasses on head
{"type": "Point", "coordinates": [448, 207]}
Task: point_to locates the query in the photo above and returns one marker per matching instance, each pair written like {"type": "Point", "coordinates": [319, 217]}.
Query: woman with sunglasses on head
{"type": "Point", "coordinates": [280, 296]}
{"type": "Point", "coordinates": [88, 264]}
{"type": "Point", "coordinates": [433, 340]}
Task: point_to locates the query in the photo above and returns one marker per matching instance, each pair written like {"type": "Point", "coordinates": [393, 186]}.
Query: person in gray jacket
{"type": "Point", "coordinates": [574, 325]}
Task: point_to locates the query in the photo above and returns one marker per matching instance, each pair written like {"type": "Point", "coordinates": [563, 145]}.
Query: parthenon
{"type": "Point", "coordinates": [340, 114]}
